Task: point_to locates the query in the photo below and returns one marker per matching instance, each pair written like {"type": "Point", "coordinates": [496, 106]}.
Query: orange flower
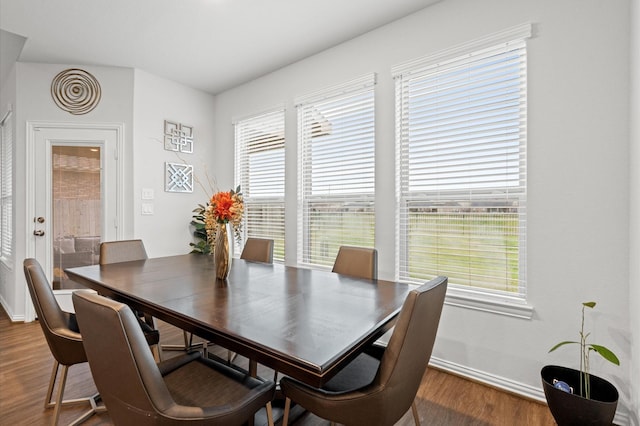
{"type": "Point", "coordinates": [222, 206]}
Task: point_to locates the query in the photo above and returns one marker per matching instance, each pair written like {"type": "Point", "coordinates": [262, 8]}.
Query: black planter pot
{"type": "Point", "coordinates": [573, 410]}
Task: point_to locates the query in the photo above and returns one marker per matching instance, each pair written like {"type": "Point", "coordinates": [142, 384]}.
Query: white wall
{"type": "Point", "coordinates": [167, 231]}
{"type": "Point", "coordinates": [634, 278]}
{"type": "Point", "coordinates": [34, 103]}
{"type": "Point", "coordinates": [141, 102]}
{"type": "Point", "coordinates": [578, 180]}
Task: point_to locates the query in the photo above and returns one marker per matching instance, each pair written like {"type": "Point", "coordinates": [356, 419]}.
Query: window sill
{"type": "Point", "coordinates": [495, 304]}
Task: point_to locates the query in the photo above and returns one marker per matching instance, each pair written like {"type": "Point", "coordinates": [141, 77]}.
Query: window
{"type": "Point", "coordinates": [337, 176]}
{"type": "Point", "coordinates": [461, 153]}
{"type": "Point", "coordinates": [6, 187]}
{"type": "Point", "coordinates": [260, 173]}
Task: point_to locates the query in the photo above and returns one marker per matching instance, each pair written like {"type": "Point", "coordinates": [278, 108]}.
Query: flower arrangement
{"type": "Point", "coordinates": [224, 207]}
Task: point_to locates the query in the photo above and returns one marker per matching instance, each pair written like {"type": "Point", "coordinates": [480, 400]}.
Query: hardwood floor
{"type": "Point", "coordinates": [443, 399]}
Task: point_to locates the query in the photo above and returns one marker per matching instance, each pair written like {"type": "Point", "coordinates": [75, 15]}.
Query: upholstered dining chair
{"type": "Point", "coordinates": [357, 261]}
{"type": "Point", "coordinates": [129, 251]}
{"type": "Point", "coordinates": [258, 250]}
{"type": "Point", "coordinates": [378, 388]}
{"type": "Point", "coordinates": [185, 389]}
{"type": "Point", "coordinates": [63, 337]}
{"type": "Point", "coordinates": [122, 251]}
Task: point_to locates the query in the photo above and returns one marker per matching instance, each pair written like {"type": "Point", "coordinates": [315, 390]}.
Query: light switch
{"type": "Point", "coordinates": [147, 193]}
{"type": "Point", "coordinates": [147, 208]}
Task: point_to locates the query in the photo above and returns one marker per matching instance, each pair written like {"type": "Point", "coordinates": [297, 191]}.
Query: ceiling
{"type": "Point", "coordinates": [211, 45]}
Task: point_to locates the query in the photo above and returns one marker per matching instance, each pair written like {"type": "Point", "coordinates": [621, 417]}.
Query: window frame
{"type": "Point", "coordinates": [354, 95]}
{"type": "Point", "coordinates": [245, 133]}
{"type": "Point", "coordinates": [461, 295]}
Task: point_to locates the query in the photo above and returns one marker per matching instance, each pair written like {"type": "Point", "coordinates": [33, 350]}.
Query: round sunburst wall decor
{"type": "Point", "coordinates": [75, 91]}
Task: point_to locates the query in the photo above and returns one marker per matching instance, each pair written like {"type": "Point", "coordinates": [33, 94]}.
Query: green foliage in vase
{"type": "Point", "coordinates": [199, 231]}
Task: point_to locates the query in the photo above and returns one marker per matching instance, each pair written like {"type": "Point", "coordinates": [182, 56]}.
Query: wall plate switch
{"type": "Point", "coordinates": [147, 208]}
{"type": "Point", "coordinates": [147, 193]}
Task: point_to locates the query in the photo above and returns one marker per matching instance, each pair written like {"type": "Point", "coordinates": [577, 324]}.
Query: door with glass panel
{"type": "Point", "coordinates": [75, 204]}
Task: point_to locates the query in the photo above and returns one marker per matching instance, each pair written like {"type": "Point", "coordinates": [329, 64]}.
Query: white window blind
{"type": "Point", "coordinates": [260, 173]}
{"type": "Point", "coordinates": [6, 187]}
{"type": "Point", "coordinates": [337, 174]}
{"type": "Point", "coordinates": [461, 141]}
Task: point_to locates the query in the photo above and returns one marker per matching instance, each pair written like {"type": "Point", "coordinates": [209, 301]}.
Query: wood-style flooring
{"type": "Point", "coordinates": [443, 399]}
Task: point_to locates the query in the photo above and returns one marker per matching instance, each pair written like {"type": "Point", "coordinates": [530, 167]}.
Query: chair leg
{"type": "Point", "coordinates": [269, 414]}
{"type": "Point", "coordinates": [414, 410]}
{"type": "Point", "coordinates": [52, 381]}
{"type": "Point", "coordinates": [157, 353]}
{"type": "Point", "coordinates": [285, 416]}
{"type": "Point", "coordinates": [61, 385]}
{"type": "Point", "coordinates": [59, 402]}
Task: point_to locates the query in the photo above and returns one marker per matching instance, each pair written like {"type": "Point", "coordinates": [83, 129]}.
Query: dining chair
{"type": "Point", "coordinates": [378, 388]}
{"type": "Point", "coordinates": [258, 250]}
{"type": "Point", "coordinates": [185, 389]}
{"type": "Point", "coordinates": [129, 251]}
{"type": "Point", "coordinates": [357, 261]}
{"type": "Point", "coordinates": [63, 337]}
{"type": "Point", "coordinates": [122, 251]}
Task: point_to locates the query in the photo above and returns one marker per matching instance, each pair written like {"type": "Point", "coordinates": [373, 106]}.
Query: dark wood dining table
{"type": "Point", "coordinates": [305, 323]}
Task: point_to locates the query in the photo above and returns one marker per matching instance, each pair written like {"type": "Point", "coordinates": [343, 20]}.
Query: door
{"type": "Point", "coordinates": [75, 184]}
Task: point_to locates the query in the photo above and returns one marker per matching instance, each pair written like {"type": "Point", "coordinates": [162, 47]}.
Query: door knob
{"type": "Point", "coordinates": [38, 233]}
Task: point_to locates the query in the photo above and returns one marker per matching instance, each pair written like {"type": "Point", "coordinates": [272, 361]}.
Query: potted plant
{"type": "Point", "coordinates": [576, 397]}
{"type": "Point", "coordinates": [199, 231]}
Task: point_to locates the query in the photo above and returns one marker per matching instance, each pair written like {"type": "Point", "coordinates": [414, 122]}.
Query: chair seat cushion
{"type": "Point", "coordinates": [357, 374]}
{"type": "Point", "coordinates": [226, 390]}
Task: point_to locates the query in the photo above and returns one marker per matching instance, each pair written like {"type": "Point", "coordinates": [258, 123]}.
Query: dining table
{"type": "Point", "coordinates": [305, 323]}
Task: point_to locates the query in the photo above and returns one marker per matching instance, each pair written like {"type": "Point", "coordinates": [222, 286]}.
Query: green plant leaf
{"type": "Point", "coordinates": [606, 353]}
{"type": "Point", "coordinates": [589, 304]}
{"type": "Point", "coordinates": [562, 344]}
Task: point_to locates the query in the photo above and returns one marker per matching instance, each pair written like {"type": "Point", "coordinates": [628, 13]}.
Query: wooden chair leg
{"type": "Point", "coordinates": [54, 373]}
{"type": "Point", "coordinates": [61, 385]}
{"type": "Point", "coordinates": [157, 354]}
{"type": "Point", "coordinates": [59, 402]}
{"type": "Point", "coordinates": [414, 409]}
{"type": "Point", "coordinates": [285, 416]}
{"type": "Point", "coordinates": [269, 414]}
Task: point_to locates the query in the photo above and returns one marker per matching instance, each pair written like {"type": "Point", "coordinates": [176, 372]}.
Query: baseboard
{"type": "Point", "coordinates": [12, 317]}
{"type": "Point", "coordinates": [507, 385]}
{"type": "Point", "coordinates": [622, 417]}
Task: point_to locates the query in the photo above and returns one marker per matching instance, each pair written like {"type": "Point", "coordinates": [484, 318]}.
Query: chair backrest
{"type": "Point", "coordinates": [357, 261]}
{"type": "Point", "coordinates": [59, 328]}
{"type": "Point", "coordinates": [406, 357]}
{"type": "Point", "coordinates": [122, 251]}
{"type": "Point", "coordinates": [258, 249]}
{"type": "Point", "coordinates": [121, 363]}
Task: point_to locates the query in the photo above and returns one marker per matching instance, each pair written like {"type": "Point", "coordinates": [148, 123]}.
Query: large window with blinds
{"type": "Point", "coordinates": [260, 157]}
{"type": "Point", "coordinates": [337, 176]}
{"type": "Point", "coordinates": [6, 187]}
{"type": "Point", "coordinates": [461, 158]}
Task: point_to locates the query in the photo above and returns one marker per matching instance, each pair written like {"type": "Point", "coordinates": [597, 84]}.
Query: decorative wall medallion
{"type": "Point", "coordinates": [178, 177]}
{"type": "Point", "coordinates": [75, 91]}
{"type": "Point", "coordinates": [178, 137]}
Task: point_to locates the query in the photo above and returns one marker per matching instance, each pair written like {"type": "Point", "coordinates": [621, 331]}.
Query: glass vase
{"type": "Point", "coordinates": [221, 253]}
